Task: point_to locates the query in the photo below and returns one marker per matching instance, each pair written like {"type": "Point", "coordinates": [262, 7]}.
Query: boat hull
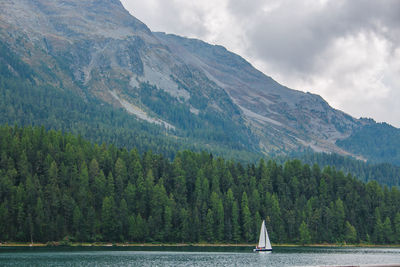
{"type": "Point", "coordinates": [261, 249]}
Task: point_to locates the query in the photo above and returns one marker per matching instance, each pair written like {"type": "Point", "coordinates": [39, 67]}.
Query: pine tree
{"type": "Point", "coordinates": [229, 200]}
{"type": "Point", "coordinates": [40, 223]}
{"type": "Point", "coordinates": [4, 221]}
{"type": "Point", "coordinates": [264, 177]}
{"type": "Point", "coordinates": [209, 225]}
{"type": "Point", "coordinates": [219, 218]}
{"type": "Point", "coordinates": [378, 234]}
{"type": "Point", "coordinates": [235, 222]}
{"type": "Point", "coordinates": [339, 215]}
{"type": "Point", "coordinates": [110, 186]}
{"type": "Point", "coordinates": [167, 223]}
{"type": "Point", "coordinates": [123, 218]}
{"type": "Point", "coordinates": [305, 237]}
{"type": "Point", "coordinates": [99, 189]}
{"type": "Point", "coordinates": [108, 218]}
{"type": "Point", "coordinates": [132, 231]}
{"type": "Point", "coordinates": [350, 233]}
{"type": "Point", "coordinates": [77, 223]}
{"type": "Point", "coordinates": [184, 225]}
{"type": "Point", "coordinates": [257, 223]}
{"type": "Point", "coordinates": [121, 177]}
{"type": "Point", "coordinates": [247, 225]}
{"type": "Point", "coordinates": [21, 224]}
{"type": "Point", "coordinates": [387, 231]}
{"type": "Point", "coordinates": [94, 171]}
{"type": "Point", "coordinates": [397, 228]}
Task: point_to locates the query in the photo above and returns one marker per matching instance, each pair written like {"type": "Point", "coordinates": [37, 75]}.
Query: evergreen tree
{"type": "Point", "coordinates": [350, 233]}
{"type": "Point", "coordinates": [132, 230]}
{"type": "Point", "coordinates": [77, 223]}
{"type": "Point", "coordinates": [387, 231]}
{"type": "Point", "coordinates": [257, 223]}
{"type": "Point", "coordinates": [40, 222]}
{"type": "Point", "coordinates": [397, 228]}
{"type": "Point", "coordinates": [108, 218]}
{"type": "Point", "coordinates": [236, 233]}
{"type": "Point", "coordinates": [339, 215]}
{"type": "Point", "coordinates": [141, 228]}
{"type": "Point", "coordinates": [184, 226]}
{"type": "Point", "coordinates": [209, 225]}
{"type": "Point", "coordinates": [247, 225]}
{"type": "Point", "coordinates": [378, 234]}
{"type": "Point", "coordinates": [229, 200]}
{"type": "Point", "coordinates": [305, 237]}
{"type": "Point", "coordinates": [167, 223]}
{"type": "Point", "coordinates": [123, 218]}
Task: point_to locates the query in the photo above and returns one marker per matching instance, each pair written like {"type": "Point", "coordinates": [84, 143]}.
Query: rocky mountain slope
{"type": "Point", "coordinates": [282, 117]}
{"type": "Point", "coordinates": [191, 89]}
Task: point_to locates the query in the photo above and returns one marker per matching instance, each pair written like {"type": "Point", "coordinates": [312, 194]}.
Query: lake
{"type": "Point", "coordinates": [194, 256]}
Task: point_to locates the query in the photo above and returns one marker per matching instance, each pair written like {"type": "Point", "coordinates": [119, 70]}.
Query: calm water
{"type": "Point", "coordinates": [190, 256]}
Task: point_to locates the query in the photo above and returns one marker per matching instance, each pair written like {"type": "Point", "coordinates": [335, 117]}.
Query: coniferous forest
{"type": "Point", "coordinates": [56, 186]}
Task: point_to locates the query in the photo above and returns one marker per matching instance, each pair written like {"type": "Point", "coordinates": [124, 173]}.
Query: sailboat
{"type": "Point", "coordinates": [263, 243]}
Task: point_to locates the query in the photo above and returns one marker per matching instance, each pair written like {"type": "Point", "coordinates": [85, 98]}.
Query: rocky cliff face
{"type": "Point", "coordinates": [96, 48]}
{"type": "Point", "coordinates": [282, 117]}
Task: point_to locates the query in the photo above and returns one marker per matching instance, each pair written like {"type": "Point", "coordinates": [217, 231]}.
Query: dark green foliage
{"type": "Point", "coordinates": [384, 173]}
{"type": "Point", "coordinates": [207, 125]}
{"type": "Point", "coordinates": [56, 186]}
{"type": "Point", "coordinates": [305, 237]}
{"type": "Point", "coordinates": [350, 233]}
{"type": "Point", "coordinates": [379, 142]}
{"type": "Point", "coordinates": [396, 229]}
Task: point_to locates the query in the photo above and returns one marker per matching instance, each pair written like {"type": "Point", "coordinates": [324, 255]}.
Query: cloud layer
{"type": "Point", "coordinates": [346, 51]}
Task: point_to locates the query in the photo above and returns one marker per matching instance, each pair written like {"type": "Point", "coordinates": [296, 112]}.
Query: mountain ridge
{"type": "Point", "coordinates": [252, 80]}
{"type": "Point", "coordinates": [192, 89]}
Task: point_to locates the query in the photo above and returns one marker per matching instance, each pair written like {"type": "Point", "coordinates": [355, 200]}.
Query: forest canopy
{"type": "Point", "coordinates": [56, 186]}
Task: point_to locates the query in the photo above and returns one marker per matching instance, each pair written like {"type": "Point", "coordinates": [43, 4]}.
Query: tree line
{"type": "Point", "coordinates": [384, 173]}
{"type": "Point", "coordinates": [56, 186]}
{"type": "Point", "coordinates": [379, 142]}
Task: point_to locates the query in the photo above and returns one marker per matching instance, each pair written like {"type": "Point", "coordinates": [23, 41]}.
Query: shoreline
{"type": "Point", "coordinates": [107, 244]}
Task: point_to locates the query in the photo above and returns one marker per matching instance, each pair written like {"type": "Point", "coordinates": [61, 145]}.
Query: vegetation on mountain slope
{"type": "Point", "coordinates": [383, 173]}
{"type": "Point", "coordinates": [379, 142]}
{"type": "Point", "coordinates": [26, 101]}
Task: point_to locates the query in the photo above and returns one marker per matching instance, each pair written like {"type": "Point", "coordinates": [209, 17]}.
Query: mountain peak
{"type": "Point", "coordinates": [72, 18]}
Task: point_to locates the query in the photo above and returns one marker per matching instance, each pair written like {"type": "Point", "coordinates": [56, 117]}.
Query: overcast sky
{"type": "Point", "coordinates": [346, 51]}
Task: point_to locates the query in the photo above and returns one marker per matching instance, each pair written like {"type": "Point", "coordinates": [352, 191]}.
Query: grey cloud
{"type": "Point", "coordinates": [168, 16]}
{"type": "Point", "coordinates": [293, 35]}
{"type": "Point", "coordinates": [245, 8]}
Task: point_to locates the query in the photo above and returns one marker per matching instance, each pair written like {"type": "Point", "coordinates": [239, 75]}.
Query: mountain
{"type": "Point", "coordinates": [100, 58]}
{"type": "Point", "coordinates": [283, 118]}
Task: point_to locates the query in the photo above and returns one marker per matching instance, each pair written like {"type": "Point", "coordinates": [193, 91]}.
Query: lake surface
{"type": "Point", "coordinates": [194, 256]}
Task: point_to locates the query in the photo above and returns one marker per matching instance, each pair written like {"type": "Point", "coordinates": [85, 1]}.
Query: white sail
{"type": "Point", "coordinates": [263, 234]}
{"type": "Point", "coordinates": [267, 243]}
{"type": "Point", "coordinates": [263, 241]}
